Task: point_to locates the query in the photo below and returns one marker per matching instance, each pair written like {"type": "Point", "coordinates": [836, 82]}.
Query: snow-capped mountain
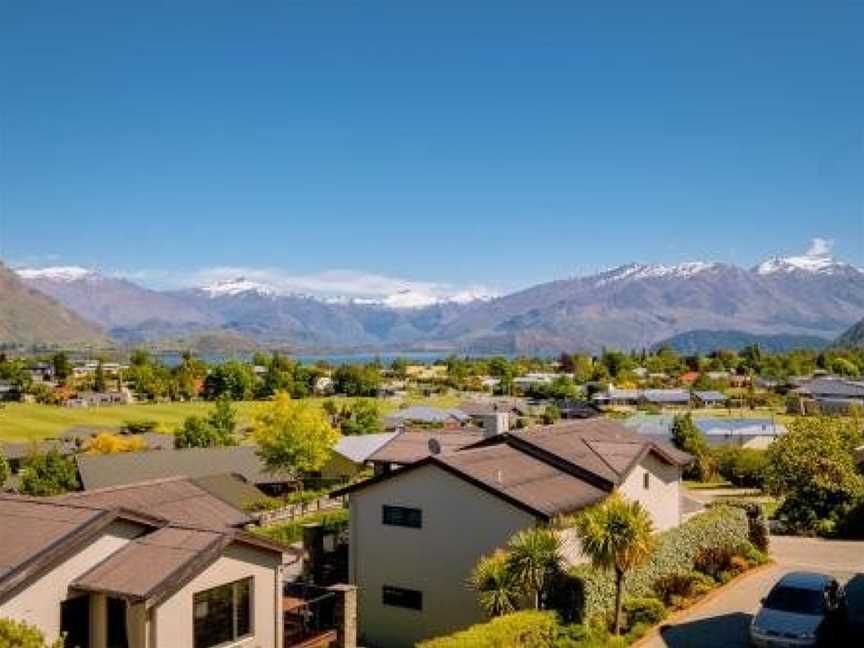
{"type": "Point", "coordinates": [631, 306]}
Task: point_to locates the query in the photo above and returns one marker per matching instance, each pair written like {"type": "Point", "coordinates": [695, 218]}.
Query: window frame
{"type": "Point", "coordinates": [402, 591]}
{"type": "Point", "coordinates": [408, 517]}
{"type": "Point", "coordinates": [235, 603]}
{"type": "Point", "coordinates": [646, 480]}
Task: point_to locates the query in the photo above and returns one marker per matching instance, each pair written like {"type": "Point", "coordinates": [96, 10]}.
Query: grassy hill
{"type": "Point", "coordinates": [29, 317]}
{"type": "Point", "coordinates": [854, 337]}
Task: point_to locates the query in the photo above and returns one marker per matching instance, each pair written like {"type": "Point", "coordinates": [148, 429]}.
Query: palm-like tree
{"type": "Point", "coordinates": [616, 535]}
{"type": "Point", "coordinates": [533, 559]}
{"type": "Point", "coordinates": [495, 584]}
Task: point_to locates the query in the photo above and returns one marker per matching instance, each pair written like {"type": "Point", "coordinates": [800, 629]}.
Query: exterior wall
{"type": "Point", "coordinates": [460, 524]}
{"type": "Point", "coordinates": [39, 602]}
{"type": "Point", "coordinates": [338, 467]}
{"type": "Point", "coordinates": [661, 498]}
{"type": "Point", "coordinates": [171, 622]}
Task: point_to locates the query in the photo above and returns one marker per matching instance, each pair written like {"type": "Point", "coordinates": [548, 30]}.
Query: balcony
{"type": "Point", "coordinates": [309, 614]}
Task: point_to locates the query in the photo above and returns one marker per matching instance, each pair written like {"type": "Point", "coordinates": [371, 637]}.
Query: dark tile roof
{"type": "Point", "coordinates": [412, 445]}
{"type": "Point", "coordinates": [100, 471]}
{"type": "Point", "coordinates": [179, 500]}
{"type": "Point", "coordinates": [826, 387]}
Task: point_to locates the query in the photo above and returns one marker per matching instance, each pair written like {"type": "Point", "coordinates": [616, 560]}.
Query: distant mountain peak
{"type": "Point", "coordinates": [816, 260]}
{"type": "Point", "coordinates": [57, 273]}
{"type": "Point", "coordinates": [237, 286]}
{"type": "Point", "coordinates": [636, 271]}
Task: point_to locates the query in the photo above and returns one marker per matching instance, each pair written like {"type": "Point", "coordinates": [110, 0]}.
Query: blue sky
{"type": "Point", "coordinates": [499, 143]}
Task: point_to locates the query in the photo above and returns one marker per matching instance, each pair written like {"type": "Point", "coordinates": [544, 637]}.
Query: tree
{"type": "Point", "coordinates": [813, 468]}
{"type": "Point", "coordinates": [617, 535]}
{"type": "Point", "coordinates": [19, 634]}
{"type": "Point", "coordinates": [360, 417]}
{"type": "Point", "coordinates": [107, 443]}
{"type": "Point", "coordinates": [293, 436]}
{"type": "Point", "coordinates": [216, 431]}
{"type": "Point", "coordinates": [99, 382]}
{"type": "Point", "coordinates": [551, 414]}
{"type": "Point", "coordinates": [62, 367]}
{"type": "Point", "coordinates": [233, 379]}
{"type": "Point", "coordinates": [689, 438]}
{"type": "Point", "coordinates": [534, 559]}
{"type": "Point", "coordinates": [495, 584]}
{"type": "Point", "coordinates": [48, 473]}
{"type": "Point", "coordinates": [356, 380]}
{"type": "Point", "coordinates": [4, 469]}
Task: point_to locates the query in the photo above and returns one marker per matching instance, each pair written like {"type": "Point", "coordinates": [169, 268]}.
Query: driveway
{"type": "Point", "coordinates": [724, 620]}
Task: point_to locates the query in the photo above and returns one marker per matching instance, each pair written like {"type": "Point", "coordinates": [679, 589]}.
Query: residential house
{"type": "Point", "coordinates": [417, 532]}
{"type": "Point", "coordinates": [709, 398]}
{"type": "Point", "coordinates": [757, 433]}
{"type": "Point", "coordinates": [412, 445]}
{"type": "Point", "coordinates": [160, 568]}
{"type": "Point", "coordinates": [351, 455]}
{"type": "Point", "coordinates": [422, 415]}
{"type": "Point", "coordinates": [666, 397]}
{"type": "Point", "coordinates": [9, 391]}
{"type": "Point", "coordinates": [829, 395]}
{"type": "Point", "coordinates": [100, 471]}
{"type": "Point", "coordinates": [615, 397]}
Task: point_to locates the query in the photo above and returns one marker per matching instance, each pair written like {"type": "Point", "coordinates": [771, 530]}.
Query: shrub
{"type": "Point", "coordinates": [291, 532]}
{"type": "Point", "coordinates": [713, 560]}
{"type": "Point", "coordinates": [18, 634]}
{"type": "Point", "coordinates": [646, 610]}
{"type": "Point", "coordinates": [676, 550]}
{"type": "Point", "coordinates": [744, 467]}
{"type": "Point", "coordinates": [851, 526]}
{"type": "Point", "coordinates": [752, 555]}
{"type": "Point", "coordinates": [757, 524]}
{"type": "Point", "coordinates": [529, 628]}
{"type": "Point", "coordinates": [262, 503]}
{"type": "Point", "coordinates": [679, 588]}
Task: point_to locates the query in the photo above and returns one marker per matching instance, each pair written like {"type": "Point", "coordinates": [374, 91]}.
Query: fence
{"type": "Point", "coordinates": [290, 512]}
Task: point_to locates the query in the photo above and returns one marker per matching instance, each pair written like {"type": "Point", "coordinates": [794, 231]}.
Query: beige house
{"type": "Point", "coordinates": [108, 571]}
{"type": "Point", "coordinates": [416, 532]}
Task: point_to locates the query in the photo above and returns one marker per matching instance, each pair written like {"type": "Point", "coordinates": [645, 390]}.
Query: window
{"type": "Point", "coordinates": [646, 480]}
{"type": "Point", "coordinates": [402, 516]}
{"type": "Point", "coordinates": [404, 598]}
{"type": "Point", "coordinates": [222, 614]}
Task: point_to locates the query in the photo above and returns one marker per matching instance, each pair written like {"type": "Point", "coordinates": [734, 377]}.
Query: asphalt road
{"type": "Point", "coordinates": [724, 621]}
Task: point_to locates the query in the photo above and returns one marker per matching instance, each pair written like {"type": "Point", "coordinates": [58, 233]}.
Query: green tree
{"type": "Point", "coordinates": [551, 414]}
{"type": "Point", "coordinates": [534, 560]}
{"type": "Point", "coordinates": [99, 382]}
{"type": "Point", "coordinates": [689, 438]}
{"type": "Point", "coordinates": [363, 416]}
{"type": "Point", "coordinates": [4, 469]}
{"type": "Point", "coordinates": [617, 535]}
{"type": "Point", "coordinates": [494, 582]}
{"type": "Point", "coordinates": [62, 366]}
{"type": "Point", "coordinates": [233, 379]}
{"type": "Point", "coordinates": [48, 473]}
{"type": "Point", "coordinates": [223, 419]}
{"type": "Point", "coordinates": [293, 437]}
{"type": "Point", "coordinates": [813, 469]}
{"type": "Point", "coordinates": [215, 431]}
{"type": "Point", "coordinates": [19, 634]}
{"type": "Point", "coordinates": [356, 380]}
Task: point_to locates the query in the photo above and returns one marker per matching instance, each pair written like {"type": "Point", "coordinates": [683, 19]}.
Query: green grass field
{"type": "Point", "coordinates": [27, 421]}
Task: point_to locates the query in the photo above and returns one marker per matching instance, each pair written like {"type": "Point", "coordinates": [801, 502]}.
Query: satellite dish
{"type": "Point", "coordinates": [434, 446]}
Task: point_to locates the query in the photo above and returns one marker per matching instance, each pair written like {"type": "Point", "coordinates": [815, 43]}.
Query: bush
{"type": "Point", "coordinates": [262, 503]}
{"type": "Point", "coordinates": [678, 589]}
{"type": "Point", "coordinates": [291, 532]}
{"type": "Point", "coordinates": [744, 467]}
{"type": "Point", "coordinates": [648, 611]}
{"type": "Point", "coordinates": [676, 551]}
{"type": "Point", "coordinates": [752, 555]}
{"type": "Point", "coordinates": [851, 525]}
{"type": "Point", "coordinates": [758, 525]}
{"type": "Point", "coordinates": [714, 560]}
{"type": "Point", "coordinates": [18, 634]}
{"type": "Point", "coordinates": [529, 628]}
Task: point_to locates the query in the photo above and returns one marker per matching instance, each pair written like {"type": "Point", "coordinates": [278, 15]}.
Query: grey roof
{"type": "Point", "coordinates": [710, 396]}
{"type": "Point", "coordinates": [424, 414]}
{"type": "Point", "coordinates": [358, 448]}
{"type": "Point", "coordinates": [666, 395]}
{"type": "Point", "coordinates": [739, 426]}
{"type": "Point", "coordinates": [99, 471]}
{"type": "Point", "coordinates": [827, 387]}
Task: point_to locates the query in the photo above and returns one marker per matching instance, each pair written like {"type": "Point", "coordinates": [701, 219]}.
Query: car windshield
{"type": "Point", "coordinates": [796, 599]}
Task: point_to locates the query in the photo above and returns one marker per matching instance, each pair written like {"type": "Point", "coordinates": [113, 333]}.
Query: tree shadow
{"type": "Point", "coordinates": [855, 605]}
{"type": "Point", "coordinates": [723, 631]}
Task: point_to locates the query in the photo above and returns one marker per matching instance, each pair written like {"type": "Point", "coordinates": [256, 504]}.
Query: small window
{"type": "Point", "coordinates": [222, 614]}
{"type": "Point", "coordinates": [402, 516]}
{"type": "Point", "coordinates": [400, 597]}
{"type": "Point", "coordinates": [646, 480]}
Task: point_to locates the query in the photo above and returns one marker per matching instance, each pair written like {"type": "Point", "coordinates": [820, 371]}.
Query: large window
{"type": "Point", "coordinates": [401, 597]}
{"type": "Point", "coordinates": [402, 516]}
{"type": "Point", "coordinates": [223, 614]}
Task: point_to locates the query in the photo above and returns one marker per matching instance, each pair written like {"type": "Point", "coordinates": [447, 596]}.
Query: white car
{"type": "Point", "coordinates": [802, 609]}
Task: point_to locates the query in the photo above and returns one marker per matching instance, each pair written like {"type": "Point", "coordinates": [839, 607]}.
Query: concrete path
{"type": "Point", "coordinates": [724, 620]}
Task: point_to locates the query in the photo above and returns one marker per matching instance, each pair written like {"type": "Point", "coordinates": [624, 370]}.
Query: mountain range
{"type": "Point", "coordinates": [811, 297]}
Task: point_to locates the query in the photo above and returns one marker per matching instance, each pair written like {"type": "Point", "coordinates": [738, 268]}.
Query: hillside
{"type": "Point", "coordinates": [693, 342]}
{"type": "Point", "coordinates": [29, 317]}
{"type": "Point", "coordinates": [852, 337]}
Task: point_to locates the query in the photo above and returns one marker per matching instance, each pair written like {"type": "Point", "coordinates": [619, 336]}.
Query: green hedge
{"type": "Point", "coordinates": [722, 526]}
{"type": "Point", "coordinates": [333, 521]}
{"type": "Point", "coordinates": [527, 628]}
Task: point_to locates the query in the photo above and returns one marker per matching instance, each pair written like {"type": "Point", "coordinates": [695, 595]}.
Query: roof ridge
{"type": "Point", "coordinates": [587, 442]}
{"type": "Point", "coordinates": [118, 487]}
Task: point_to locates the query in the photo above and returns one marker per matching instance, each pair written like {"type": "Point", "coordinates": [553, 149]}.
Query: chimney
{"type": "Point", "coordinates": [495, 424]}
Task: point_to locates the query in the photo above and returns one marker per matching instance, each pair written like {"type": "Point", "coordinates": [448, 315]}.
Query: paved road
{"type": "Point", "coordinates": [724, 621]}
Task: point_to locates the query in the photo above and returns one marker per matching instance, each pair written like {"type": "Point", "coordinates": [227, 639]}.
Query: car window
{"type": "Point", "coordinates": [796, 599]}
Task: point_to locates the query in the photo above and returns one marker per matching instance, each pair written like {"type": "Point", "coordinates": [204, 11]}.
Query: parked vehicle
{"type": "Point", "coordinates": [802, 609]}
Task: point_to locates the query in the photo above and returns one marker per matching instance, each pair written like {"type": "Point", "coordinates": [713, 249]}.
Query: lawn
{"type": "Point", "coordinates": [29, 421]}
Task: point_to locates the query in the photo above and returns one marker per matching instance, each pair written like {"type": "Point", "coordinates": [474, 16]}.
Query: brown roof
{"type": "Point", "coordinates": [177, 499]}
{"type": "Point", "coordinates": [547, 470]}
{"type": "Point", "coordinates": [145, 567]}
{"type": "Point", "coordinates": [412, 445]}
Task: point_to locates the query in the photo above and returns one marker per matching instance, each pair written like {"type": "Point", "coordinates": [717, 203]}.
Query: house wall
{"type": "Point", "coordinates": [39, 602]}
{"type": "Point", "coordinates": [661, 498]}
{"type": "Point", "coordinates": [460, 524]}
{"type": "Point", "coordinates": [171, 622]}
